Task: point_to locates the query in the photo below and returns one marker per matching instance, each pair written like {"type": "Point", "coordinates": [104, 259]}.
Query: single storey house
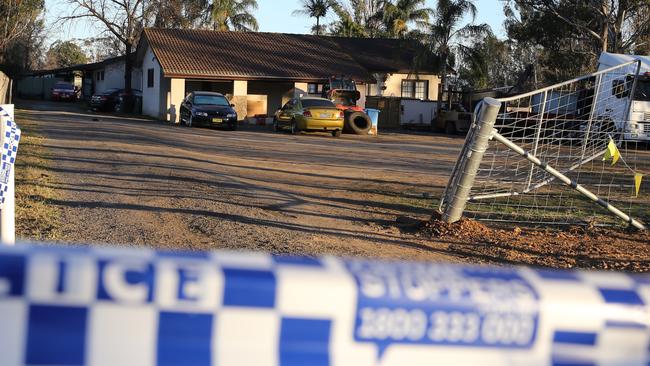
{"type": "Point", "coordinates": [92, 78]}
{"type": "Point", "coordinates": [261, 71]}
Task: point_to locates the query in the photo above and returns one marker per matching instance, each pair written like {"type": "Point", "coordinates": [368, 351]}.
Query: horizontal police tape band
{"type": "Point", "coordinates": [10, 141]}
{"type": "Point", "coordinates": [114, 306]}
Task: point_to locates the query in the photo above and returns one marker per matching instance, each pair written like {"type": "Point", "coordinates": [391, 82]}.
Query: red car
{"type": "Point", "coordinates": [64, 92]}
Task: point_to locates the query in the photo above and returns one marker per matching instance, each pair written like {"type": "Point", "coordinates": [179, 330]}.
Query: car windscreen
{"type": "Point", "coordinates": [306, 103]}
{"type": "Point", "coordinates": [642, 91]}
{"type": "Point", "coordinates": [211, 100]}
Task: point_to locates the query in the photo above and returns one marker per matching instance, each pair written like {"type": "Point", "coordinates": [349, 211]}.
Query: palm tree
{"type": "Point", "coordinates": [314, 9]}
{"type": "Point", "coordinates": [357, 18]}
{"type": "Point", "coordinates": [446, 32]}
{"type": "Point", "coordinates": [397, 16]}
{"type": "Point", "coordinates": [233, 15]}
{"type": "Point", "coordinates": [349, 23]}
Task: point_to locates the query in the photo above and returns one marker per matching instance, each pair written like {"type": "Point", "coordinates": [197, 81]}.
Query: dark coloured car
{"type": "Point", "coordinates": [64, 92]}
{"type": "Point", "coordinates": [208, 109]}
{"type": "Point", "coordinates": [134, 98]}
{"type": "Point", "coordinates": [105, 101]}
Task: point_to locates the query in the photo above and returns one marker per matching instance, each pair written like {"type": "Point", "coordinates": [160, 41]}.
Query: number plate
{"type": "Point", "coordinates": [325, 115]}
{"type": "Point", "coordinates": [217, 120]}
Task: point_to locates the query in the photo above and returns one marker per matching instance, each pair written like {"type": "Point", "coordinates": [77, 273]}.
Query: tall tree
{"type": "Point", "coordinates": [17, 18]}
{"type": "Point", "coordinates": [64, 54]}
{"type": "Point", "coordinates": [25, 53]}
{"type": "Point", "coordinates": [349, 23]}
{"type": "Point", "coordinates": [315, 9]}
{"type": "Point", "coordinates": [184, 14]}
{"type": "Point", "coordinates": [399, 15]}
{"type": "Point", "coordinates": [573, 33]}
{"type": "Point", "coordinates": [447, 33]}
{"type": "Point", "coordinates": [358, 18]}
{"type": "Point", "coordinates": [605, 23]}
{"type": "Point", "coordinates": [122, 19]}
{"type": "Point", "coordinates": [234, 15]}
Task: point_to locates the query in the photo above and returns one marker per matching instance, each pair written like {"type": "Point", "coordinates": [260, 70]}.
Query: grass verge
{"type": "Point", "coordinates": [36, 219]}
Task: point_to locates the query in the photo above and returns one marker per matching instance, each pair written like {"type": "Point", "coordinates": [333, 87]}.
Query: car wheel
{"type": "Point", "coordinates": [189, 121]}
{"type": "Point", "coordinates": [276, 127]}
{"type": "Point", "coordinates": [336, 133]}
{"type": "Point", "coordinates": [294, 127]}
{"type": "Point", "coordinates": [233, 127]}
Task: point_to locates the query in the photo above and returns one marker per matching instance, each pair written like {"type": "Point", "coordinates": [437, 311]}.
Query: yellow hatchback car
{"type": "Point", "coordinates": [309, 114]}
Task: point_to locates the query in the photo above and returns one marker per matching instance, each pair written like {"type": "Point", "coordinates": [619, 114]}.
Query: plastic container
{"type": "Point", "coordinates": [374, 118]}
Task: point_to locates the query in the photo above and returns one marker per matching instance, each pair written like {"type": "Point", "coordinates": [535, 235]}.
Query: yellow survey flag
{"type": "Point", "coordinates": [638, 177]}
{"type": "Point", "coordinates": [612, 152]}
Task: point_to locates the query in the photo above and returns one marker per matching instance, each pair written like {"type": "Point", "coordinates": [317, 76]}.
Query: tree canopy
{"type": "Point", "coordinates": [64, 54]}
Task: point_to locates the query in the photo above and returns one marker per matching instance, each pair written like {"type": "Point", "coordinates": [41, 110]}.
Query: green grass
{"type": "Point", "coordinates": [36, 219]}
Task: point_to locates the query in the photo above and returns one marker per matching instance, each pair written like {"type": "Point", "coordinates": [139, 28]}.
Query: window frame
{"type": "Point", "coordinates": [413, 88]}
{"type": "Point", "coordinates": [150, 77]}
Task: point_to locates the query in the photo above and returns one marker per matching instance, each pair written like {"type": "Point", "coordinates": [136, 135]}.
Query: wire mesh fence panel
{"type": "Point", "coordinates": [568, 127]}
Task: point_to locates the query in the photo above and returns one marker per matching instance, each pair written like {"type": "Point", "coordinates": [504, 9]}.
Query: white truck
{"type": "Point", "coordinates": [636, 125]}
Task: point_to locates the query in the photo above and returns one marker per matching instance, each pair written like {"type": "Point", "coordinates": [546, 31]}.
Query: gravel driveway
{"type": "Point", "coordinates": [139, 182]}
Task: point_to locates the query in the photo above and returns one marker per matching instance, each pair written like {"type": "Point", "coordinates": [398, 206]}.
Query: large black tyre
{"type": "Point", "coordinates": [276, 126]}
{"type": "Point", "coordinates": [357, 122]}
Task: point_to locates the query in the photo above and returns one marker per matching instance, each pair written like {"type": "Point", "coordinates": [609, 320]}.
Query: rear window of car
{"type": "Point", "coordinates": [317, 103]}
{"type": "Point", "coordinates": [111, 91]}
{"type": "Point", "coordinates": [66, 86]}
{"type": "Point", "coordinates": [211, 100]}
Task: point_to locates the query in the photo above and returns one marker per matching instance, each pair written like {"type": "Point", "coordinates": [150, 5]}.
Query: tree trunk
{"type": "Point", "coordinates": [128, 67]}
{"type": "Point", "coordinates": [128, 102]}
{"type": "Point", "coordinates": [604, 34]}
{"type": "Point", "coordinates": [443, 80]}
{"type": "Point", "coordinates": [318, 26]}
{"type": "Point", "coordinates": [618, 31]}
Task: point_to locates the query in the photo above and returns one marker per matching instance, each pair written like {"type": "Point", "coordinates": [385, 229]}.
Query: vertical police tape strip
{"type": "Point", "coordinates": [10, 142]}
{"type": "Point", "coordinates": [110, 306]}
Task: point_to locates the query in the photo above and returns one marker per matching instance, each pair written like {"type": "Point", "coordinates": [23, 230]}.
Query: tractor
{"type": "Point", "coordinates": [342, 91]}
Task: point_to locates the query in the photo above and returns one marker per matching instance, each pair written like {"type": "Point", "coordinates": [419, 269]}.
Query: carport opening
{"type": "Point", "coordinates": [361, 123]}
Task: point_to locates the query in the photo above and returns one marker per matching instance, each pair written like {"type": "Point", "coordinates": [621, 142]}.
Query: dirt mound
{"type": "Point", "coordinates": [573, 247]}
{"type": "Point", "coordinates": [465, 228]}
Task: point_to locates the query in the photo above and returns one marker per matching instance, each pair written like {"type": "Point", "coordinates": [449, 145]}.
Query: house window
{"type": "Point", "coordinates": [149, 78]}
{"type": "Point", "coordinates": [313, 88]}
{"type": "Point", "coordinates": [418, 89]}
{"type": "Point", "coordinates": [102, 75]}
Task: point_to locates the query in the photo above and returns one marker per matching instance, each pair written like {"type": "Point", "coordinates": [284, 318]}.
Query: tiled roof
{"type": "Point", "coordinates": [383, 55]}
{"type": "Point", "coordinates": [253, 55]}
{"type": "Point", "coordinates": [250, 55]}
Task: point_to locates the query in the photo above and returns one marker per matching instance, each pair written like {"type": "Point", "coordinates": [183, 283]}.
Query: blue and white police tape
{"type": "Point", "coordinates": [9, 150]}
{"type": "Point", "coordinates": [107, 306]}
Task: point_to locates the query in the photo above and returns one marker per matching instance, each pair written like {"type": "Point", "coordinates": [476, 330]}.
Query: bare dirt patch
{"type": "Point", "coordinates": [573, 247]}
{"type": "Point", "coordinates": [127, 181]}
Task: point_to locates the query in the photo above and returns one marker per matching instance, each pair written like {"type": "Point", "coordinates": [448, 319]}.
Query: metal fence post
{"type": "Point", "coordinates": [481, 137]}
{"type": "Point", "coordinates": [8, 211]}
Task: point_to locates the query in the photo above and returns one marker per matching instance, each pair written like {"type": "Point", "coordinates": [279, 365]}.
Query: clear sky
{"type": "Point", "coordinates": [272, 15]}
